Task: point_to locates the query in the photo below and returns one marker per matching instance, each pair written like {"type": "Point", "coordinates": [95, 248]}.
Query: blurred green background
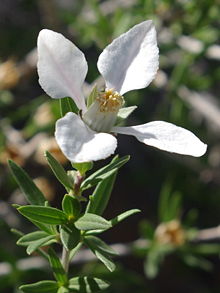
{"type": "Point", "coordinates": [168, 188]}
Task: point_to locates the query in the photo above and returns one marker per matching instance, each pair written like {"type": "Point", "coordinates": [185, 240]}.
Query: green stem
{"type": "Point", "coordinates": [65, 259]}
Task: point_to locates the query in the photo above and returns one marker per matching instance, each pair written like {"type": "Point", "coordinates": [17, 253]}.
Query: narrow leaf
{"type": "Point", "coordinates": [71, 207]}
{"type": "Point", "coordinates": [67, 105]}
{"type": "Point", "coordinates": [40, 287]}
{"type": "Point", "coordinates": [17, 232]}
{"type": "Point", "coordinates": [33, 236]}
{"type": "Point", "coordinates": [31, 192]}
{"type": "Point", "coordinates": [87, 284]}
{"type": "Point", "coordinates": [102, 251]}
{"type": "Point", "coordinates": [123, 216]}
{"type": "Point", "coordinates": [115, 221]}
{"type": "Point", "coordinates": [115, 164]}
{"type": "Point", "coordinates": [57, 267]}
{"type": "Point", "coordinates": [92, 222]}
{"type": "Point", "coordinates": [70, 236]}
{"type": "Point", "coordinates": [45, 215]}
{"type": "Point", "coordinates": [101, 195]}
{"type": "Point", "coordinates": [45, 227]}
{"type": "Point", "coordinates": [106, 260]}
{"type": "Point", "coordinates": [74, 251]}
{"type": "Point", "coordinates": [39, 243]}
{"type": "Point", "coordinates": [100, 245]}
{"type": "Point", "coordinates": [198, 262]}
{"type": "Point", "coordinates": [58, 171]}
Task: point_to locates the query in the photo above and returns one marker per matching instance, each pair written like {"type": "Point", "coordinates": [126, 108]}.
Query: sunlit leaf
{"type": "Point", "coordinates": [104, 172]}
{"type": "Point", "coordinates": [99, 199]}
{"type": "Point", "coordinates": [40, 287]}
{"type": "Point", "coordinates": [87, 284]}
{"type": "Point", "coordinates": [102, 251]}
{"type": "Point", "coordinates": [58, 171]}
{"type": "Point", "coordinates": [45, 215]}
{"type": "Point", "coordinates": [71, 206]}
{"type": "Point", "coordinates": [92, 222]}
{"type": "Point", "coordinates": [70, 236]}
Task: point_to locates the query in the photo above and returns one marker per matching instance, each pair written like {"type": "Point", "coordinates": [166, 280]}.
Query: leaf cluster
{"type": "Point", "coordinates": [70, 226]}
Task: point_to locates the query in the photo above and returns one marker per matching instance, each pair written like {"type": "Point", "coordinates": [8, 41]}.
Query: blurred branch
{"type": "Point", "coordinates": [204, 104]}
{"type": "Point", "coordinates": [85, 255]}
{"type": "Point", "coordinates": [210, 234]}
{"type": "Point", "coordinates": [82, 256]}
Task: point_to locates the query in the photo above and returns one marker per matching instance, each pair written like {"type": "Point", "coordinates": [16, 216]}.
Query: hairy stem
{"type": "Point", "coordinates": [78, 181]}
{"type": "Point", "coordinates": [65, 259]}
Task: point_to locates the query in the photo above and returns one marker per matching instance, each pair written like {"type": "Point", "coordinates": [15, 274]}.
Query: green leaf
{"type": "Point", "coordinates": [45, 215]}
{"type": "Point", "coordinates": [32, 193]}
{"type": "Point", "coordinates": [67, 105]}
{"type": "Point", "coordinates": [57, 267]}
{"type": "Point", "coordinates": [39, 243]}
{"type": "Point", "coordinates": [204, 248]}
{"type": "Point", "coordinates": [93, 95]}
{"type": "Point", "coordinates": [17, 232]}
{"type": "Point", "coordinates": [58, 171]}
{"type": "Point", "coordinates": [83, 167]}
{"type": "Point", "coordinates": [87, 284]}
{"type": "Point", "coordinates": [123, 113]}
{"type": "Point", "coordinates": [70, 236]}
{"type": "Point", "coordinates": [123, 216]}
{"type": "Point", "coordinates": [99, 199]}
{"type": "Point", "coordinates": [40, 287]}
{"type": "Point", "coordinates": [115, 221]}
{"type": "Point", "coordinates": [45, 227]}
{"type": "Point", "coordinates": [63, 290]}
{"type": "Point", "coordinates": [71, 207]}
{"type": "Point", "coordinates": [92, 222]}
{"type": "Point", "coordinates": [104, 172]}
{"type": "Point", "coordinates": [74, 251]}
{"type": "Point", "coordinates": [155, 257]}
{"type": "Point", "coordinates": [72, 174]}
{"type": "Point", "coordinates": [99, 244]}
{"type": "Point", "coordinates": [151, 265]}
{"type": "Point", "coordinates": [33, 236]}
{"type": "Point", "coordinates": [198, 262]}
{"type": "Point", "coordinates": [102, 251]}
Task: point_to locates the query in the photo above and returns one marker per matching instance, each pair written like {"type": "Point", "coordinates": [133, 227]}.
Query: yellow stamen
{"type": "Point", "coordinates": [110, 101]}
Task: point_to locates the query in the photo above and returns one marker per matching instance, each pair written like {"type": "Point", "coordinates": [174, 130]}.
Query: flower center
{"type": "Point", "coordinates": [102, 114]}
{"type": "Point", "coordinates": [110, 101]}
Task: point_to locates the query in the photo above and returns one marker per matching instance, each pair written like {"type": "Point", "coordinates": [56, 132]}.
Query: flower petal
{"type": "Point", "coordinates": [81, 144]}
{"type": "Point", "coordinates": [62, 67]}
{"type": "Point", "coordinates": [167, 137]}
{"type": "Point", "coordinates": [130, 61]}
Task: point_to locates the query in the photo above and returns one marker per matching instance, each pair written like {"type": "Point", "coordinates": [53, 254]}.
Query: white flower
{"type": "Point", "coordinates": [129, 62]}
